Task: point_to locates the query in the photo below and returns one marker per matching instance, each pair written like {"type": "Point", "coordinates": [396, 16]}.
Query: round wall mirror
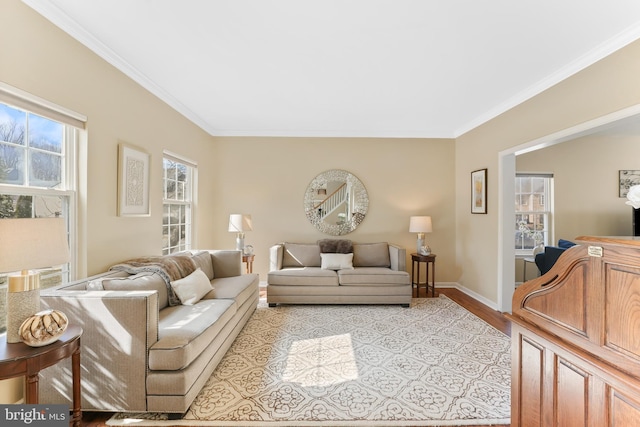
{"type": "Point", "coordinates": [336, 202]}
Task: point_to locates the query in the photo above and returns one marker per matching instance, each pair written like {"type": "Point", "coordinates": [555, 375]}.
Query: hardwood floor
{"type": "Point", "coordinates": [492, 317]}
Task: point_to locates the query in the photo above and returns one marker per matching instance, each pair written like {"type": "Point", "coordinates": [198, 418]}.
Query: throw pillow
{"type": "Point", "coordinates": [565, 244]}
{"type": "Point", "coordinates": [192, 288]}
{"type": "Point", "coordinates": [335, 246]}
{"type": "Point", "coordinates": [337, 261]}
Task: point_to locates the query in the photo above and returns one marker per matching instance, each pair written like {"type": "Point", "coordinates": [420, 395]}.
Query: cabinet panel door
{"type": "Point", "coordinates": [571, 394]}
{"type": "Point", "coordinates": [625, 411]}
{"type": "Point", "coordinates": [531, 383]}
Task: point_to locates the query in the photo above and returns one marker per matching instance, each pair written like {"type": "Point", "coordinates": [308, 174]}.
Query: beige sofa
{"type": "Point", "coordinates": [301, 273]}
{"type": "Point", "coordinates": [139, 353]}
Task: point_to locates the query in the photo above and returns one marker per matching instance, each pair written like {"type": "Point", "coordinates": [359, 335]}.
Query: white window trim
{"type": "Point", "coordinates": [74, 122]}
{"type": "Point", "coordinates": [524, 253]}
{"type": "Point", "coordinates": [166, 154]}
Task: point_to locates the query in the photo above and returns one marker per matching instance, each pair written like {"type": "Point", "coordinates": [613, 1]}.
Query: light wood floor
{"type": "Point", "coordinates": [492, 317]}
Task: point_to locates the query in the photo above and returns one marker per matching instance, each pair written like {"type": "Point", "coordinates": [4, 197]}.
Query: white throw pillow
{"type": "Point", "coordinates": [192, 288]}
{"type": "Point", "coordinates": [337, 261]}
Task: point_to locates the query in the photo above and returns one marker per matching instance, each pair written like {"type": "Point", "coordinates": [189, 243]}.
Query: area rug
{"type": "Point", "coordinates": [432, 364]}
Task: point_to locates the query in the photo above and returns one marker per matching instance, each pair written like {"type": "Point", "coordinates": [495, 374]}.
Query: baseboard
{"type": "Point", "coordinates": [469, 292]}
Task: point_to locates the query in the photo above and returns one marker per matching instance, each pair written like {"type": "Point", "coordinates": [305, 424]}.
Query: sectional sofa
{"type": "Point", "coordinates": [143, 350]}
{"type": "Point", "coordinates": [338, 271]}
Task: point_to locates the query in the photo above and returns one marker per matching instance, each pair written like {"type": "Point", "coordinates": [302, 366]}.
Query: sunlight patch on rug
{"type": "Point", "coordinates": [433, 364]}
{"type": "Point", "coordinates": [321, 362]}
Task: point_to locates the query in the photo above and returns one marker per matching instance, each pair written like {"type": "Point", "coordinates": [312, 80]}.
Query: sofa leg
{"type": "Point", "coordinates": [175, 415]}
{"type": "Point", "coordinates": [406, 305]}
{"type": "Point", "coordinates": [271, 304]}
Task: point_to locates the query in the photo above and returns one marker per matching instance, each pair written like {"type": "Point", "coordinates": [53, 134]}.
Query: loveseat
{"type": "Point", "coordinates": [338, 271]}
{"type": "Point", "coordinates": [140, 351]}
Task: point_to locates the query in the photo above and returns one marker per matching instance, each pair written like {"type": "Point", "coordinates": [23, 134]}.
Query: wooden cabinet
{"type": "Point", "coordinates": [576, 339]}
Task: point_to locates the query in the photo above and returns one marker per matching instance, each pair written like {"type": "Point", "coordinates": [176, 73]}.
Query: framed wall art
{"type": "Point", "coordinates": [479, 191]}
{"type": "Point", "coordinates": [627, 178]}
{"type": "Point", "coordinates": [133, 181]}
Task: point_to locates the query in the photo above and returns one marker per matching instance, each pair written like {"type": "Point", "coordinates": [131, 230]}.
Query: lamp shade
{"type": "Point", "coordinates": [240, 223]}
{"type": "Point", "coordinates": [30, 243]}
{"type": "Point", "coordinates": [420, 224]}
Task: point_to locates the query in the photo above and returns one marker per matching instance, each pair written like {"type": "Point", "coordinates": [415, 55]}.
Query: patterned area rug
{"type": "Point", "coordinates": [433, 364]}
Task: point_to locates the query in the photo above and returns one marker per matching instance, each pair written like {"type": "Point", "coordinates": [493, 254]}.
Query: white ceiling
{"type": "Point", "coordinates": [355, 68]}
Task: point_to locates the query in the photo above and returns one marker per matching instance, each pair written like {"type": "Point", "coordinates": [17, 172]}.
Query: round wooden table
{"type": "Point", "coordinates": [430, 259]}
{"type": "Point", "coordinates": [19, 359]}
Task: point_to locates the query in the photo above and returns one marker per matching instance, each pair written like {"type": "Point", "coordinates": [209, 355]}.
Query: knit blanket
{"type": "Point", "coordinates": [169, 267]}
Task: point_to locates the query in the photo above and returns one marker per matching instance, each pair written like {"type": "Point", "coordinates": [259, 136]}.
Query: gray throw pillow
{"type": "Point", "coordinates": [335, 246]}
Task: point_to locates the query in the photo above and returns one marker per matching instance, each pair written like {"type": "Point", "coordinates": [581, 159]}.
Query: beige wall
{"type": "Point", "coordinates": [267, 178]}
{"type": "Point", "coordinates": [39, 58]}
{"type": "Point", "coordinates": [607, 86]}
{"type": "Point", "coordinates": [586, 184]}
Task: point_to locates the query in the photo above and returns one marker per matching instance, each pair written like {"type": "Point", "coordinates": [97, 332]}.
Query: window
{"type": "Point", "coordinates": [533, 211]}
{"type": "Point", "coordinates": [178, 186]}
{"type": "Point", "coordinates": [38, 143]}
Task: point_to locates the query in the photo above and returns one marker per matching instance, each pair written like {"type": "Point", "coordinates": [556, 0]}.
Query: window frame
{"type": "Point", "coordinates": [188, 202]}
{"type": "Point", "coordinates": [546, 213]}
{"type": "Point", "coordinates": [20, 100]}
{"type": "Point", "coordinates": [67, 189]}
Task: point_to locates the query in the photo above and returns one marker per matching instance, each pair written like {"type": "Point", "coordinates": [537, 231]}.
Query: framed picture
{"type": "Point", "coordinates": [628, 178]}
{"type": "Point", "coordinates": [133, 181]}
{"type": "Point", "coordinates": [479, 191]}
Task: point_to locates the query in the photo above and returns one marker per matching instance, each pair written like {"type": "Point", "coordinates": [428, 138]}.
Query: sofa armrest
{"type": "Point", "coordinates": [226, 263]}
{"type": "Point", "coordinates": [276, 252]}
{"type": "Point", "coordinates": [118, 327]}
{"type": "Point", "coordinates": [398, 257]}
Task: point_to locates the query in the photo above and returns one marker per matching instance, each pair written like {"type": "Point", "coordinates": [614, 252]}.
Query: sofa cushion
{"type": "Point", "coordinates": [240, 288]}
{"type": "Point", "coordinates": [301, 255]}
{"type": "Point", "coordinates": [146, 281]}
{"type": "Point", "coordinates": [335, 246]}
{"type": "Point", "coordinates": [303, 276]}
{"type": "Point", "coordinates": [203, 261]}
{"type": "Point", "coordinates": [192, 288]}
{"type": "Point", "coordinates": [371, 255]}
{"type": "Point", "coordinates": [181, 341]}
{"type": "Point", "coordinates": [373, 276]}
{"type": "Point", "coordinates": [336, 261]}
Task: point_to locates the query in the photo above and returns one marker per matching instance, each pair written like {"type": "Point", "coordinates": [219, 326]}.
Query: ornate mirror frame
{"type": "Point", "coordinates": [336, 202]}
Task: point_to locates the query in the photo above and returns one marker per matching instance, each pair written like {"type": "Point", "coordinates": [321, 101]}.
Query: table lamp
{"type": "Point", "coordinates": [29, 243]}
{"type": "Point", "coordinates": [240, 223]}
{"type": "Point", "coordinates": [421, 225]}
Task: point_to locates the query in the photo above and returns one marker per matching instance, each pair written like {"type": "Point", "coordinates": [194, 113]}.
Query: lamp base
{"type": "Point", "coordinates": [240, 242]}
{"type": "Point", "coordinates": [420, 242]}
{"type": "Point", "coordinates": [20, 306]}
{"type": "Point", "coordinates": [23, 301]}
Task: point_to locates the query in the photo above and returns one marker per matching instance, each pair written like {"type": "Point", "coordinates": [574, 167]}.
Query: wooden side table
{"type": "Point", "coordinates": [18, 359]}
{"type": "Point", "coordinates": [248, 259]}
{"type": "Point", "coordinates": [430, 259]}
